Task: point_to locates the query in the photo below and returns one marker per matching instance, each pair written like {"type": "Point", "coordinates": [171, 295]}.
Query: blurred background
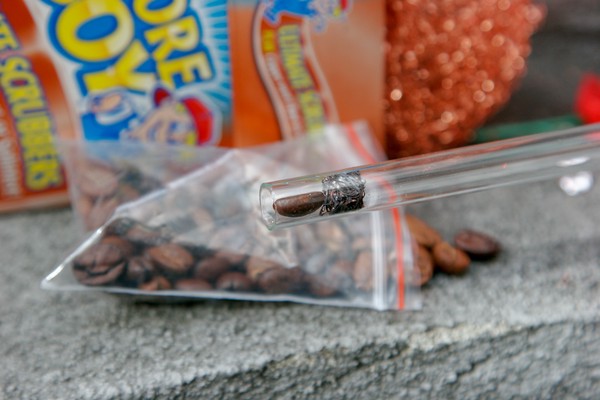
{"type": "Point", "coordinates": [566, 46]}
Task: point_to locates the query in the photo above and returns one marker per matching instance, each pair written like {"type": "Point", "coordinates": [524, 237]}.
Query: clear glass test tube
{"type": "Point", "coordinates": [410, 180]}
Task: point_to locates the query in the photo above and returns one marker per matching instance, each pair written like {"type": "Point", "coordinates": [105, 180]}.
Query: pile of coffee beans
{"type": "Point", "coordinates": [101, 188]}
{"type": "Point", "coordinates": [206, 236]}
{"type": "Point", "coordinates": [131, 254]}
{"type": "Point", "coordinates": [433, 254]}
{"type": "Point", "coordinates": [337, 263]}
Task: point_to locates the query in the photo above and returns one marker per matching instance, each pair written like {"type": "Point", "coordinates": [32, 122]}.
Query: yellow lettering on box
{"type": "Point", "coordinates": [39, 124]}
{"type": "Point", "coordinates": [8, 41]}
{"type": "Point", "coordinates": [29, 109]}
{"type": "Point", "coordinates": [43, 173]}
{"type": "Point", "coordinates": [163, 15]}
{"type": "Point", "coordinates": [123, 73]}
{"type": "Point", "coordinates": [178, 35]}
{"type": "Point", "coordinates": [186, 68]}
{"type": "Point", "coordinates": [78, 13]}
{"type": "Point", "coordinates": [268, 41]}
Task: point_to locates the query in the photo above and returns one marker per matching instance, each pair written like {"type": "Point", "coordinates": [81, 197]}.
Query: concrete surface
{"type": "Point", "coordinates": [525, 325]}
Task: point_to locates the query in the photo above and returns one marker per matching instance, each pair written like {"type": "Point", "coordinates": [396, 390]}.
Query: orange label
{"type": "Point", "coordinates": [160, 71]}
{"type": "Point", "coordinates": [300, 64]}
{"type": "Point", "coordinates": [292, 76]}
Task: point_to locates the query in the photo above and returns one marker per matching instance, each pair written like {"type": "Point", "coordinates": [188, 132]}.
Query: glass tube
{"type": "Point", "coordinates": [410, 180]}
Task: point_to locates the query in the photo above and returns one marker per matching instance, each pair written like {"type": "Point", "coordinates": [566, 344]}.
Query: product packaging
{"type": "Point", "coordinates": [163, 72]}
{"type": "Point", "coordinates": [298, 65]}
{"type": "Point", "coordinates": [33, 108]}
{"type": "Point", "coordinates": [248, 72]}
{"type": "Point", "coordinates": [201, 235]}
{"type": "Point", "coordinates": [99, 71]}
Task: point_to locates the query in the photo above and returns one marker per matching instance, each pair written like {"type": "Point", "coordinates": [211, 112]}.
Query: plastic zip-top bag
{"type": "Point", "coordinates": [201, 236]}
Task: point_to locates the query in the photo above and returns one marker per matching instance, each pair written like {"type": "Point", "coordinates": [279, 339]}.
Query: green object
{"type": "Point", "coordinates": [507, 131]}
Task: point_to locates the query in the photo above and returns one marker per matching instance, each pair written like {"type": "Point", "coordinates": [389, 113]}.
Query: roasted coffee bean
{"type": "Point", "coordinates": [319, 286]}
{"type": "Point", "coordinates": [339, 275]}
{"type": "Point", "coordinates": [126, 246]}
{"type": "Point", "coordinates": [343, 265]}
{"type": "Point", "coordinates": [234, 282]}
{"type": "Point", "coordinates": [450, 259]}
{"type": "Point", "coordinates": [148, 184]}
{"type": "Point", "coordinates": [141, 182]}
{"type": "Point", "coordinates": [333, 236]}
{"type": "Point", "coordinates": [104, 188]}
{"type": "Point", "coordinates": [145, 235]}
{"type": "Point", "coordinates": [299, 205]}
{"type": "Point", "coordinates": [193, 285]}
{"type": "Point", "coordinates": [361, 243]}
{"type": "Point", "coordinates": [198, 251]}
{"type": "Point", "coordinates": [119, 226]}
{"type": "Point", "coordinates": [139, 270]}
{"type": "Point", "coordinates": [478, 245]}
{"type": "Point", "coordinates": [202, 217]}
{"type": "Point", "coordinates": [101, 211]}
{"type": "Point", "coordinates": [96, 180]}
{"type": "Point", "coordinates": [83, 205]}
{"type": "Point", "coordinates": [236, 260]}
{"type": "Point", "coordinates": [317, 262]}
{"type": "Point", "coordinates": [424, 234]}
{"type": "Point", "coordinates": [127, 193]}
{"type": "Point", "coordinates": [423, 266]}
{"type": "Point", "coordinates": [132, 176]}
{"type": "Point", "coordinates": [281, 280]}
{"type": "Point", "coordinates": [156, 283]}
{"type": "Point", "coordinates": [257, 265]}
{"type": "Point", "coordinates": [171, 258]}
{"type": "Point", "coordinates": [100, 264]}
{"type": "Point", "coordinates": [109, 276]}
{"type": "Point", "coordinates": [305, 240]}
{"type": "Point", "coordinates": [98, 258]}
{"type": "Point", "coordinates": [363, 271]}
{"type": "Point", "coordinates": [210, 269]}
